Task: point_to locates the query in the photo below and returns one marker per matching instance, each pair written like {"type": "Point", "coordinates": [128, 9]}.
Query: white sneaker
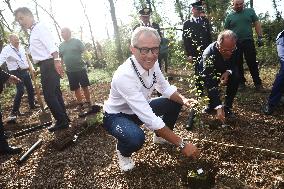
{"type": "Point", "coordinates": [125, 163]}
{"type": "Point", "coordinates": [159, 140]}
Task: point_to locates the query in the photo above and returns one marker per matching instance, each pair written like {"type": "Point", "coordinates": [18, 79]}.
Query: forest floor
{"type": "Point", "coordinates": [232, 156]}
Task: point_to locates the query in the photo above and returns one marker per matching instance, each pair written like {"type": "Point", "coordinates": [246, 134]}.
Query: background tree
{"type": "Point", "coordinates": [116, 32]}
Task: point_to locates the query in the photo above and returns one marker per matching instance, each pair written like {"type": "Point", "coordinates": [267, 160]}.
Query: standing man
{"type": "Point", "coordinates": [196, 37]}
{"type": "Point", "coordinates": [130, 105]}
{"type": "Point", "coordinates": [278, 85]}
{"type": "Point", "coordinates": [219, 66]}
{"type": "Point", "coordinates": [45, 53]}
{"type": "Point", "coordinates": [14, 56]}
{"type": "Point", "coordinates": [4, 146]}
{"type": "Point", "coordinates": [241, 21]}
{"type": "Point", "coordinates": [71, 52]}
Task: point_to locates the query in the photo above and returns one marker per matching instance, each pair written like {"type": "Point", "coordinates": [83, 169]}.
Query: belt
{"type": "Point", "coordinates": [20, 69]}
{"type": "Point", "coordinates": [42, 61]}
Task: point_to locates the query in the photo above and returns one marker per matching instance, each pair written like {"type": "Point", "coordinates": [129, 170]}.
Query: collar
{"type": "Point", "coordinates": [140, 69]}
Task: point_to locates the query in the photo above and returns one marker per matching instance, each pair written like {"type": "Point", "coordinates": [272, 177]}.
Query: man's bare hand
{"type": "Point", "coordinates": [189, 59]}
{"type": "Point", "coordinates": [224, 78]}
{"type": "Point", "coordinates": [221, 114]}
{"type": "Point", "coordinates": [14, 79]}
{"type": "Point", "coordinates": [59, 68]}
{"type": "Point", "coordinates": [190, 102]}
{"type": "Point", "coordinates": [191, 150]}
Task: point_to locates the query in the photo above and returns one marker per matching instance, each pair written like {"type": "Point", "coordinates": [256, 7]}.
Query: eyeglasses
{"type": "Point", "coordinates": [145, 50]}
{"type": "Point", "coordinates": [227, 50]}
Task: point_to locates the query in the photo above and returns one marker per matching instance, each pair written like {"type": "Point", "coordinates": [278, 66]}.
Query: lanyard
{"type": "Point", "coordinates": [140, 77]}
{"type": "Point", "coordinates": [19, 55]}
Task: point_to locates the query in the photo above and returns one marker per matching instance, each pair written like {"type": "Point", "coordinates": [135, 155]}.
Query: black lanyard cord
{"type": "Point", "coordinates": [140, 77]}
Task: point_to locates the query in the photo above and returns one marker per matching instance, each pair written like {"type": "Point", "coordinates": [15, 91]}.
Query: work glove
{"type": "Point", "coordinates": [259, 41]}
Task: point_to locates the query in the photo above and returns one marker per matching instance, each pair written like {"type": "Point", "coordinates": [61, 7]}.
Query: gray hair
{"type": "Point", "coordinates": [143, 30]}
{"type": "Point", "coordinates": [226, 34]}
{"type": "Point", "coordinates": [23, 10]}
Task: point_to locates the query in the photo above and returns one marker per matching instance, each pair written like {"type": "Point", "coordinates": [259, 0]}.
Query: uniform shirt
{"type": "Point", "coordinates": [196, 36]}
{"type": "Point", "coordinates": [280, 46]}
{"type": "Point", "coordinates": [71, 51]}
{"type": "Point", "coordinates": [213, 66]}
{"type": "Point", "coordinates": [14, 58]}
{"type": "Point", "coordinates": [152, 25]}
{"type": "Point", "coordinates": [129, 96]}
{"type": "Point", "coordinates": [42, 44]}
{"type": "Point", "coordinates": [241, 23]}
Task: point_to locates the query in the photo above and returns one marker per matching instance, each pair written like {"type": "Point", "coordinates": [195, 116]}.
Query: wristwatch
{"type": "Point", "coordinates": [181, 145]}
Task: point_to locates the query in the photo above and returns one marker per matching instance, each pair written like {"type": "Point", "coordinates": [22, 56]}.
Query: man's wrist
{"type": "Point", "coordinates": [57, 59]}
{"type": "Point", "coordinates": [181, 145]}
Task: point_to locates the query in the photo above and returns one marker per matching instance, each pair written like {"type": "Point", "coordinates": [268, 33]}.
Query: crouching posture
{"type": "Point", "coordinates": [130, 105]}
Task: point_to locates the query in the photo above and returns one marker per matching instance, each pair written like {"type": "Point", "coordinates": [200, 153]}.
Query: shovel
{"type": "Point", "coordinates": [44, 116]}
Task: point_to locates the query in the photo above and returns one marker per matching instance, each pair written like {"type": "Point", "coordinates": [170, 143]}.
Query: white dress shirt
{"type": "Point", "coordinates": [129, 96]}
{"type": "Point", "coordinates": [14, 58]}
{"type": "Point", "coordinates": [42, 44]}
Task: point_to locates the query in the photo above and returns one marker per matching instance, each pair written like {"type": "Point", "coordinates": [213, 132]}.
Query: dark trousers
{"type": "Point", "coordinates": [26, 82]}
{"type": "Point", "coordinates": [3, 142]}
{"type": "Point", "coordinates": [126, 128]}
{"type": "Point", "coordinates": [278, 85]}
{"type": "Point", "coordinates": [231, 89]}
{"type": "Point", "coordinates": [246, 48]}
{"type": "Point", "coordinates": [50, 81]}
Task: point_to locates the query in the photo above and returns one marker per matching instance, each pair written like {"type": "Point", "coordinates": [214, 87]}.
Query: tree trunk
{"type": "Point", "coordinates": [179, 10]}
{"type": "Point", "coordinates": [251, 3]}
{"type": "Point", "coordinates": [91, 31]}
{"type": "Point", "coordinates": [116, 32]}
{"type": "Point", "coordinates": [57, 29]}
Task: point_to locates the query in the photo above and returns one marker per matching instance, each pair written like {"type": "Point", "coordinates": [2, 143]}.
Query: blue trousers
{"type": "Point", "coordinates": [3, 141]}
{"type": "Point", "coordinates": [26, 82]}
{"type": "Point", "coordinates": [278, 85]}
{"type": "Point", "coordinates": [50, 81]}
{"type": "Point", "coordinates": [126, 128]}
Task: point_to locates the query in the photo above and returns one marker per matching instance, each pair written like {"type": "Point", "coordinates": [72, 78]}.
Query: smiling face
{"type": "Point", "coordinates": [146, 41]}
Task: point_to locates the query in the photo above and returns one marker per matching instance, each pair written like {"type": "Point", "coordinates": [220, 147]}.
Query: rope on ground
{"type": "Point", "coordinates": [238, 146]}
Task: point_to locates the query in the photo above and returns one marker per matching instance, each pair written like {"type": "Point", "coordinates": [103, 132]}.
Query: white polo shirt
{"type": "Point", "coordinates": [14, 58]}
{"type": "Point", "coordinates": [129, 96]}
{"type": "Point", "coordinates": [42, 44]}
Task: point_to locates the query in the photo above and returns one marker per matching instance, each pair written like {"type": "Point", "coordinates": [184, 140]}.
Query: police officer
{"type": "Point", "coordinates": [196, 37]}
{"type": "Point", "coordinates": [278, 85]}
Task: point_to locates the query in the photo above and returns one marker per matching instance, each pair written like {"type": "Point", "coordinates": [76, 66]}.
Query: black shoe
{"type": "Point", "coordinates": [59, 126]}
{"type": "Point", "coordinates": [190, 121]}
{"type": "Point", "coordinates": [229, 113]}
{"type": "Point", "coordinates": [208, 110]}
{"type": "Point", "coordinates": [267, 109]}
{"type": "Point", "coordinates": [10, 150]}
{"type": "Point", "coordinates": [259, 88]}
{"type": "Point", "coordinates": [242, 87]}
{"type": "Point", "coordinates": [35, 106]}
{"type": "Point", "coordinates": [17, 113]}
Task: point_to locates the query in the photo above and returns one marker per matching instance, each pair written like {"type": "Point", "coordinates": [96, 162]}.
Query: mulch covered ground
{"type": "Point", "coordinates": [232, 156]}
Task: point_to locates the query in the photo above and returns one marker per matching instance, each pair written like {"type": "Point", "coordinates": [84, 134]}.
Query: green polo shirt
{"type": "Point", "coordinates": [241, 23]}
{"type": "Point", "coordinates": [71, 52]}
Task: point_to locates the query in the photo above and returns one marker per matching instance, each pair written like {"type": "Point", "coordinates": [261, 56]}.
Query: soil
{"type": "Point", "coordinates": [247, 154]}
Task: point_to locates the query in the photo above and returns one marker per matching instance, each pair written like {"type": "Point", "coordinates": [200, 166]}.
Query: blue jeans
{"type": "Point", "coordinates": [278, 85]}
{"type": "Point", "coordinates": [126, 128]}
{"type": "Point", "coordinates": [26, 82]}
